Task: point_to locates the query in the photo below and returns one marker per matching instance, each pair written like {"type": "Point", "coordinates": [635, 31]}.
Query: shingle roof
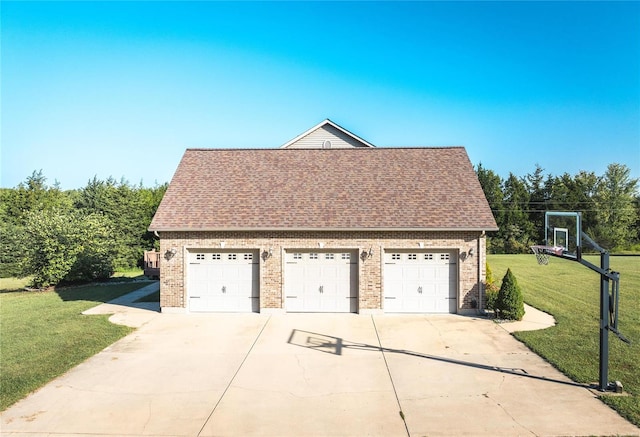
{"type": "Point", "coordinates": [334, 189]}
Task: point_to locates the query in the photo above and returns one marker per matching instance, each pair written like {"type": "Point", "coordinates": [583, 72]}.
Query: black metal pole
{"type": "Point", "coordinates": [604, 322]}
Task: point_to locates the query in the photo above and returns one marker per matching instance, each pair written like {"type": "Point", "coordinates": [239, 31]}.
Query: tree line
{"type": "Point", "coordinates": [75, 235]}
{"type": "Point", "coordinates": [88, 233]}
{"type": "Point", "coordinates": [609, 203]}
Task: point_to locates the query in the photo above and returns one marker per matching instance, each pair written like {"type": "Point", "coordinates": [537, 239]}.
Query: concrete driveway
{"type": "Point", "coordinates": [313, 375]}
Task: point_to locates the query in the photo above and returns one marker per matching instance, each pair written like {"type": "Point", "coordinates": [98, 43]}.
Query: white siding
{"type": "Point", "coordinates": [315, 139]}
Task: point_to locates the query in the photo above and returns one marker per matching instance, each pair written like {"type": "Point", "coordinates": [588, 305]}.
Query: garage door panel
{"type": "Point", "coordinates": [420, 282]}
{"type": "Point", "coordinates": [320, 281]}
{"type": "Point", "coordinates": [223, 281]}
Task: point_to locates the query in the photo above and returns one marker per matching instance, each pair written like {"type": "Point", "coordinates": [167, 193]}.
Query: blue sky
{"type": "Point", "coordinates": [122, 88]}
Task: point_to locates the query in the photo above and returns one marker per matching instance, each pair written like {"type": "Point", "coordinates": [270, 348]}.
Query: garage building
{"type": "Point", "coordinates": [327, 223]}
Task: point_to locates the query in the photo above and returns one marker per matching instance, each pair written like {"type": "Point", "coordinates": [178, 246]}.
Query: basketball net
{"type": "Point", "coordinates": [543, 252]}
{"type": "Point", "coordinates": [541, 255]}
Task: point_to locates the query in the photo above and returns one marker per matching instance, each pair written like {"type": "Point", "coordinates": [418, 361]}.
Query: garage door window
{"type": "Point", "coordinates": [215, 256]}
{"type": "Point", "coordinates": [428, 256]}
{"type": "Point", "coordinates": [346, 256]}
{"type": "Point", "coordinates": [248, 256]}
{"type": "Point", "coordinates": [328, 256]}
{"type": "Point", "coordinates": [200, 256]}
{"type": "Point", "coordinates": [232, 256]}
{"type": "Point", "coordinates": [313, 256]}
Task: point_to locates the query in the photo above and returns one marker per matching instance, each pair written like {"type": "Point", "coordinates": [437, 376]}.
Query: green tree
{"type": "Point", "coordinates": [574, 193]}
{"type": "Point", "coordinates": [11, 249]}
{"type": "Point", "coordinates": [517, 230]}
{"type": "Point", "coordinates": [15, 205]}
{"type": "Point", "coordinates": [492, 186]}
{"type": "Point", "coordinates": [538, 198]}
{"type": "Point", "coordinates": [616, 214]}
{"type": "Point", "coordinates": [151, 198]}
{"type": "Point", "coordinates": [34, 195]}
{"type": "Point", "coordinates": [69, 246]}
{"type": "Point", "coordinates": [129, 209]}
{"type": "Point", "coordinates": [96, 259]}
{"type": "Point", "coordinates": [509, 303]}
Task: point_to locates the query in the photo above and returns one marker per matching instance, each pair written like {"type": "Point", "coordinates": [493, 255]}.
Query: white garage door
{"type": "Point", "coordinates": [420, 282]}
{"type": "Point", "coordinates": [321, 281]}
{"type": "Point", "coordinates": [223, 281]}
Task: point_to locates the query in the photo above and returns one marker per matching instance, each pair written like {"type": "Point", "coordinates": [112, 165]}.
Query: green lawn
{"type": "Point", "coordinates": [130, 273]}
{"type": "Point", "coordinates": [44, 334]}
{"type": "Point", "coordinates": [571, 293]}
{"type": "Point", "coordinates": [13, 284]}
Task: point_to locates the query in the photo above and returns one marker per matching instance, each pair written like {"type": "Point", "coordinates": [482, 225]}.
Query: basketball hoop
{"type": "Point", "coordinates": [543, 252]}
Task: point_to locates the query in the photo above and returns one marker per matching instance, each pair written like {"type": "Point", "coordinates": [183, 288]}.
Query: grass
{"type": "Point", "coordinates": [153, 297]}
{"type": "Point", "coordinates": [571, 293]}
{"type": "Point", "coordinates": [13, 284]}
{"type": "Point", "coordinates": [44, 334]}
{"type": "Point", "coordinates": [129, 273]}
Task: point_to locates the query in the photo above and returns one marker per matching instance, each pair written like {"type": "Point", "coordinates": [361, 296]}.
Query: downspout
{"type": "Point", "coordinates": [481, 310]}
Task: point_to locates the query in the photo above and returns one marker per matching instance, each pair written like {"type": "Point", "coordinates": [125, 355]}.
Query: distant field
{"type": "Point", "coordinates": [571, 293]}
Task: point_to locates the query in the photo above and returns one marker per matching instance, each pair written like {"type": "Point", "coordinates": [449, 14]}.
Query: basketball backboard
{"type": "Point", "coordinates": [564, 230]}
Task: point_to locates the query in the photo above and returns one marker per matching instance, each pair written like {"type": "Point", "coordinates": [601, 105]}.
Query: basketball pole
{"type": "Point", "coordinates": [609, 290]}
{"type": "Point", "coordinates": [603, 380]}
{"type": "Point", "coordinates": [606, 275]}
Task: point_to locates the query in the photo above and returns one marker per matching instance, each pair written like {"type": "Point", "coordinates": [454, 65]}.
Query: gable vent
{"type": "Point", "coordinates": [326, 144]}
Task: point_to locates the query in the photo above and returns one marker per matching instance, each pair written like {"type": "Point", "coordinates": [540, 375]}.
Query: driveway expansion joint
{"type": "Point", "coordinates": [395, 392]}
{"type": "Point", "coordinates": [234, 376]}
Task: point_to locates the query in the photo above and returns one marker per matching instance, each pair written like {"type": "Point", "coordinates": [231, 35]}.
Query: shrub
{"type": "Point", "coordinates": [509, 304]}
{"type": "Point", "coordinates": [11, 250]}
{"type": "Point", "coordinates": [61, 246]}
{"type": "Point", "coordinates": [491, 289]}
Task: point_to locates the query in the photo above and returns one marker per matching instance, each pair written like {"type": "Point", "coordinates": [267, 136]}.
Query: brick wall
{"type": "Point", "coordinates": [471, 269]}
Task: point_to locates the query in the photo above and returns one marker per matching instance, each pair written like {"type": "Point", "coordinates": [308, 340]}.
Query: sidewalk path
{"type": "Point", "coordinates": [126, 311]}
{"type": "Point", "coordinates": [533, 319]}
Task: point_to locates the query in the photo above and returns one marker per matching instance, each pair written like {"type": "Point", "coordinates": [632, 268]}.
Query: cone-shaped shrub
{"type": "Point", "coordinates": [510, 305]}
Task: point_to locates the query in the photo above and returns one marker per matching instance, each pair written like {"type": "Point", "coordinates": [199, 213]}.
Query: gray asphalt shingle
{"type": "Point", "coordinates": [351, 189]}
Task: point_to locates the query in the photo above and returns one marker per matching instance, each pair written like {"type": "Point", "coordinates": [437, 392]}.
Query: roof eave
{"type": "Point", "coordinates": [444, 229]}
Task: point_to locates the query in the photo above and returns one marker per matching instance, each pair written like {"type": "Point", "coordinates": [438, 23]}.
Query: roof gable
{"type": "Point", "coordinates": [317, 137]}
{"type": "Point", "coordinates": [316, 189]}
